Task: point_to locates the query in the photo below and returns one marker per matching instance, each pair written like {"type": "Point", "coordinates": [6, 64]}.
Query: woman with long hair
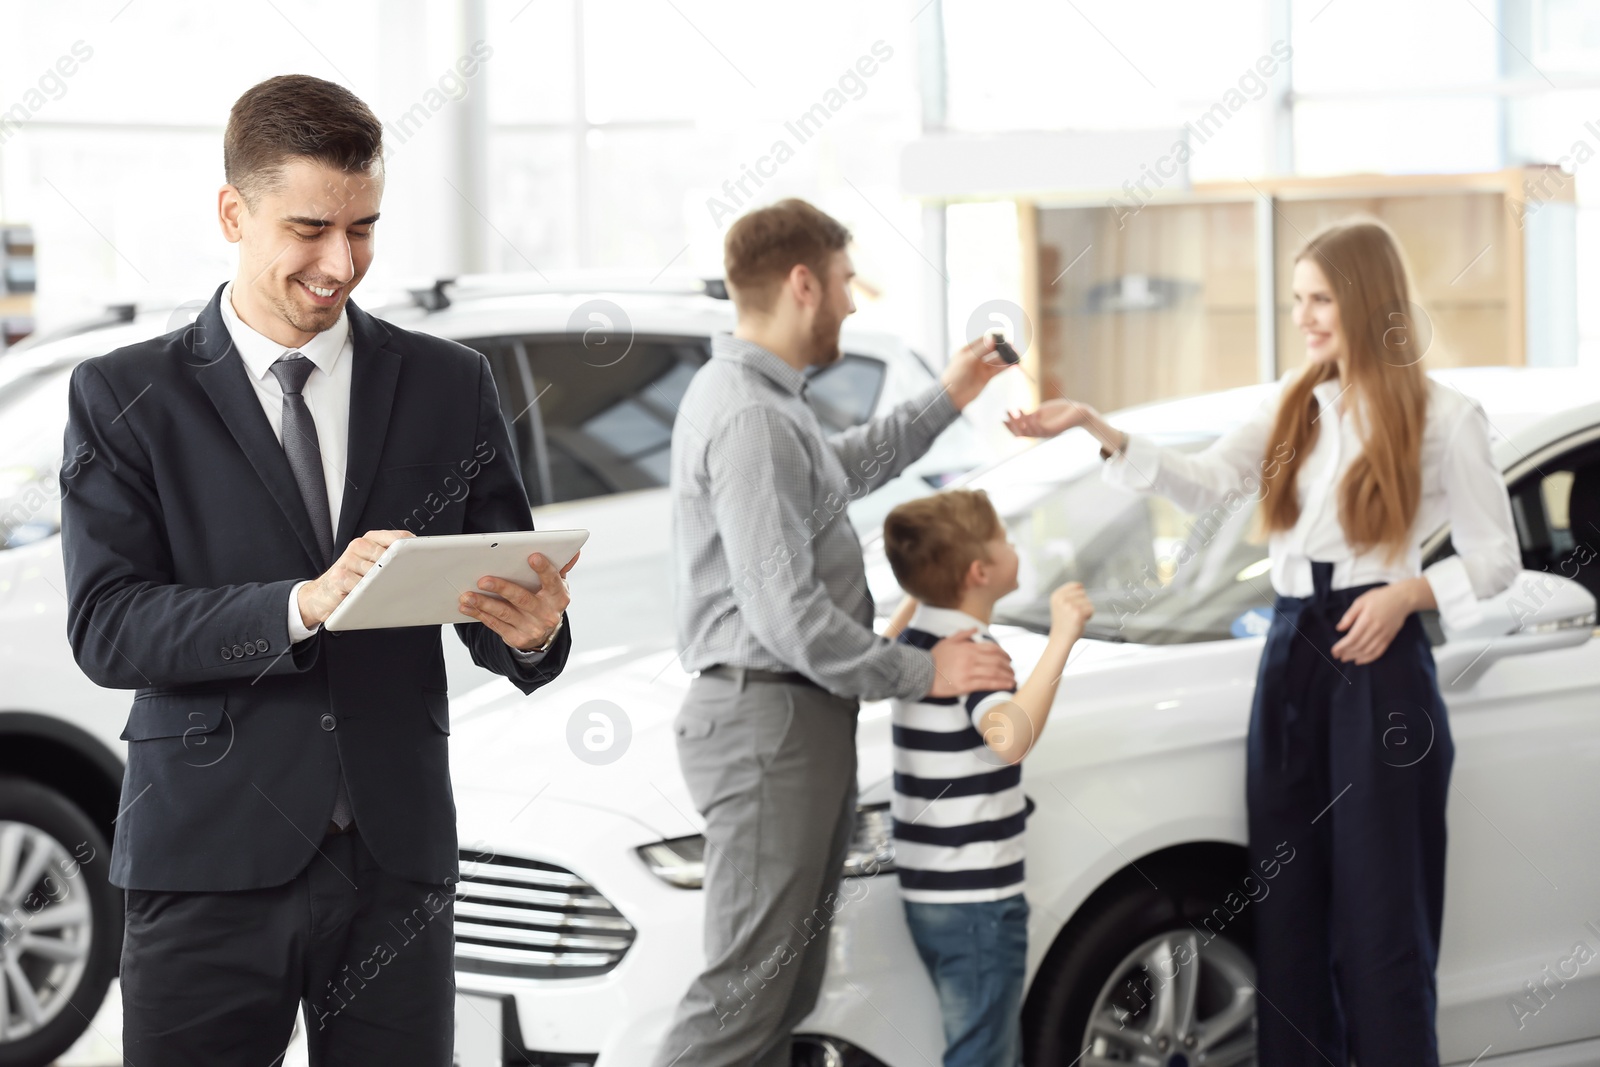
{"type": "Point", "coordinates": [1358, 456]}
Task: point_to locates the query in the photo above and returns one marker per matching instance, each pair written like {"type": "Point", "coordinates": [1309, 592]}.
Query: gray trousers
{"type": "Point", "coordinates": [772, 767]}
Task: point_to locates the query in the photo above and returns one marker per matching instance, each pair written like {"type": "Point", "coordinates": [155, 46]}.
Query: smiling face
{"type": "Point", "coordinates": [1316, 313]}
{"type": "Point", "coordinates": [304, 245]}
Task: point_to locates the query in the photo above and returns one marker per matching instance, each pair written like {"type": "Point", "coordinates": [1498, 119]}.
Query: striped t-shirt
{"type": "Point", "coordinates": [958, 808]}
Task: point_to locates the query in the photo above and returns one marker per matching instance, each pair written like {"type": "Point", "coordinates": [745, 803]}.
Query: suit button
{"type": "Point", "coordinates": [249, 648]}
{"type": "Point", "coordinates": [328, 722]}
{"type": "Point", "coordinates": [226, 654]}
{"type": "Point", "coordinates": [261, 644]}
{"type": "Point", "coordinates": [238, 651]}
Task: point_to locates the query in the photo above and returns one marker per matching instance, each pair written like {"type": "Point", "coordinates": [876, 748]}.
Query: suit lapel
{"type": "Point", "coordinates": [222, 374]}
{"type": "Point", "coordinates": [372, 386]}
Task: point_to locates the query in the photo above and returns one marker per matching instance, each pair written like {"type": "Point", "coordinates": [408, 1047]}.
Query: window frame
{"type": "Point", "coordinates": [1528, 464]}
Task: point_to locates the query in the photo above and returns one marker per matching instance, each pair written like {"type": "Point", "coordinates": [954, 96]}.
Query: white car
{"type": "Point", "coordinates": [589, 371]}
{"type": "Point", "coordinates": [579, 925]}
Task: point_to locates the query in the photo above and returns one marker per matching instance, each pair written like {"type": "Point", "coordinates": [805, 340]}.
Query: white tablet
{"type": "Point", "coordinates": [418, 581]}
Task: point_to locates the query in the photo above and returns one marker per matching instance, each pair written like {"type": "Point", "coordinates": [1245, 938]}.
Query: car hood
{"type": "Point", "coordinates": [1117, 705]}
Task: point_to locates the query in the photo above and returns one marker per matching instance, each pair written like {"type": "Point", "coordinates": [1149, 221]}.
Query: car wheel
{"type": "Point", "coordinates": [60, 923]}
{"type": "Point", "coordinates": [1144, 981]}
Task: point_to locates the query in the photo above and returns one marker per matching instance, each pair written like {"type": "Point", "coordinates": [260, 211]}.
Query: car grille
{"type": "Point", "coordinates": [527, 919]}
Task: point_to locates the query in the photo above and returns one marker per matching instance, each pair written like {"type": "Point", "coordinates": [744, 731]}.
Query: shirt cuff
{"type": "Point", "coordinates": [916, 674]}
{"type": "Point", "coordinates": [529, 656]}
{"type": "Point", "coordinates": [297, 628]}
{"type": "Point", "coordinates": [987, 702]}
{"type": "Point", "coordinates": [1459, 606]}
{"type": "Point", "coordinates": [1135, 467]}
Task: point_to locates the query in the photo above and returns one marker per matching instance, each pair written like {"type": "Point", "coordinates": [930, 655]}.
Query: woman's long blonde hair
{"type": "Point", "coordinates": [1385, 385]}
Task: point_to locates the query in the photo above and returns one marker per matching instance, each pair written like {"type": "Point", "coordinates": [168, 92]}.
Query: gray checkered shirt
{"type": "Point", "coordinates": [766, 566]}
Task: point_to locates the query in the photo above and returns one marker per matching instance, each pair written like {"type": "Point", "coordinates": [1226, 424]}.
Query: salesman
{"type": "Point", "coordinates": [286, 833]}
{"type": "Point", "coordinates": [773, 611]}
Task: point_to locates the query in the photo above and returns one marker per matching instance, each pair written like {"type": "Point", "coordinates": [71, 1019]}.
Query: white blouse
{"type": "Point", "coordinates": [1460, 485]}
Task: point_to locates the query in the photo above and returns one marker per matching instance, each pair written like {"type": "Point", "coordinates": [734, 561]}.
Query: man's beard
{"type": "Point", "coordinates": [824, 341]}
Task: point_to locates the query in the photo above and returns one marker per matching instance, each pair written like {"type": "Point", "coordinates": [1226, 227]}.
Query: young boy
{"type": "Point", "coordinates": [958, 804]}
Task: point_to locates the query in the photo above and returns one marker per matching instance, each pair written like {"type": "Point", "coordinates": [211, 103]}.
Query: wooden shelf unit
{"type": "Point", "coordinates": [1166, 300]}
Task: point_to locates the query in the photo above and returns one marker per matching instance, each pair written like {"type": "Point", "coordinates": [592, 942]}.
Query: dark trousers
{"type": "Point", "coordinates": [1348, 774]}
{"type": "Point", "coordinates": [216, 978]}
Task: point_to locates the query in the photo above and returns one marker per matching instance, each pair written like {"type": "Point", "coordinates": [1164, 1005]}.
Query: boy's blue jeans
{"type": "Point", "coordinates": [977, 955]}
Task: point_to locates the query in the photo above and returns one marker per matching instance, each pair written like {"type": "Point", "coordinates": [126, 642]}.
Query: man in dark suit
{"type": "Point", "coordinates": [287, 829]}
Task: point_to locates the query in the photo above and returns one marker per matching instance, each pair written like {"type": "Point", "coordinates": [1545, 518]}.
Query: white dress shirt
{"type": "Point", "coordinates": [1460, 485]}
{"type": "Point", "coordinates": [327, 395]}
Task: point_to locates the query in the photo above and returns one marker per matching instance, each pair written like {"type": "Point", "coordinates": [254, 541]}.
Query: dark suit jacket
{"type": "Point", "coordinates": [183, 532]}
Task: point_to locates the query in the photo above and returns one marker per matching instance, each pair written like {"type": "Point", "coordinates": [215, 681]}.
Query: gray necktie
{"type": "Point", "coordinates": [305, 460]}
{"type": "Point", "coordinates": [300, 445]}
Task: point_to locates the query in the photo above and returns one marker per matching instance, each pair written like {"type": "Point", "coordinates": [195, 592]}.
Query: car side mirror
{"type": "Point", "coordinates": [1539, 612]}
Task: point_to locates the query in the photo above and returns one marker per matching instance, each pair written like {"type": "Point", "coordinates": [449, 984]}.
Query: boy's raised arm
{"type": "Point", "coordinates": [1011, 725]}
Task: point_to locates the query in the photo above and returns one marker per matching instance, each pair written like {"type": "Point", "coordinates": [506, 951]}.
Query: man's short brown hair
{"type": "Point", "coordinates": [296, 116]}
{"type": "Point", "coordinates": [932, 542]}
{"type": "Point", "coordinates": [761, 248]}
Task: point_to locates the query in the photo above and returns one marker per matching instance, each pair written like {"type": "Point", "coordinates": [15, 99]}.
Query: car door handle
{"type": "Point", "coordinates": [1462, 662]}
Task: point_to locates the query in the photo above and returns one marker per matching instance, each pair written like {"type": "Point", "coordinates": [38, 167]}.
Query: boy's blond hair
{"type": "Point", "coordinates": [932, 542]}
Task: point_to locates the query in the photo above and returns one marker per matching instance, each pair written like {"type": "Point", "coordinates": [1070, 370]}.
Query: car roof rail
{"type": "Point", "coordinates": [445, 291]}
{"type": "Point", "coordinates": [434, 299]}
{"type": "Point", "coordinates": [114, 315]}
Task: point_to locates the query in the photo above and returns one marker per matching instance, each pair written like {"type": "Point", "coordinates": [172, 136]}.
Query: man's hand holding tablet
{"type": "Point", "coordinates": [319, 598]}
{"type": "Point", "coordinates": [524, 620]}
{"type": "Point", "coordinates": [524, 617]}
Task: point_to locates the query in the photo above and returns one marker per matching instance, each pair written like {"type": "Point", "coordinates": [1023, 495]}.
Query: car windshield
{"type": "Point", "coordinates": [1157, 574]}
{"type": "Point", "coordinates": [33, 413]}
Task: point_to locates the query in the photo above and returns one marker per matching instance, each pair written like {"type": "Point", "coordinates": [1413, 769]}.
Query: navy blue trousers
{"type": "Point", "coordinates": [1348, 772]}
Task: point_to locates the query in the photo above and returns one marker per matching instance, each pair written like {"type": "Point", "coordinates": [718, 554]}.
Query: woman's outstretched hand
{"type": "Point", "coordinates": [1053, 416]}
{"type": "Point", "coordinates": [1049, 418]}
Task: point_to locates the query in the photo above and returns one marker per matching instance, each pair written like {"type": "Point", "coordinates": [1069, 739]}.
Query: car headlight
{"type": "Point", "coordinates": [681, 861]}
{"type": "Point", "coordinates": [872, 848]}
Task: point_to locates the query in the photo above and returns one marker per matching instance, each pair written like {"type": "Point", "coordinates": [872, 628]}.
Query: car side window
{"type": "Point", "coordinates": [845, 393]}
{"type": "Point", "coordinates": [590, 421]}
{"type": "Point", "coordinates": [511, 383]}
{"type": "Point", "coordinates": [1556, 511]}
{"type": "Point", "coordinates": [1557, 514]}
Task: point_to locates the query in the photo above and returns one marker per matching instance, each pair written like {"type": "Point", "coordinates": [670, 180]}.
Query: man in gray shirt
{"type": "Point", "coordinates": [772, 609]}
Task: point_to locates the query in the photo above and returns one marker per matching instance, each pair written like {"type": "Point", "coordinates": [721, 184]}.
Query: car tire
{"type": "Point", "coordinates": [1126, 965]}
{"type": "Point", "coordinates": [40, 826]}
